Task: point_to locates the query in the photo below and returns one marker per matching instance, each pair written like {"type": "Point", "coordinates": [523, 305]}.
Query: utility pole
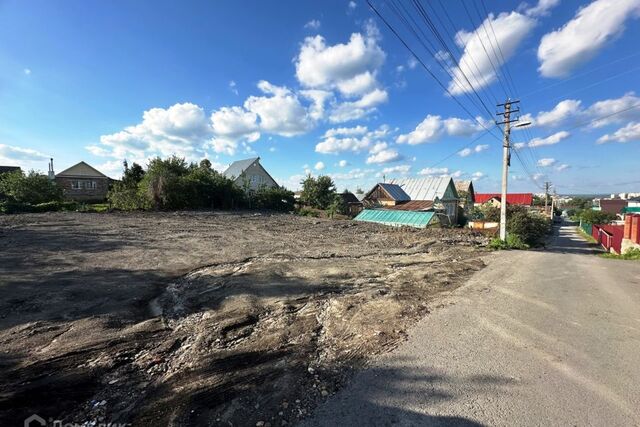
{"type": "Point", "coordinates": [547, 185]}
{"type": "Point", "coordinates": [506, 162]}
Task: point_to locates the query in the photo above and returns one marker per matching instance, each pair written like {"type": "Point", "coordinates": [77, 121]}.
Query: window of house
{"type": "Point", "coordinates": [76, 185]}
{"type": "Point", "coordinates": [90, 185]}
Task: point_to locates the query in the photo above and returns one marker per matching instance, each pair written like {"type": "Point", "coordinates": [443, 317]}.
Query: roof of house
{"type": "Point", "coordinates": [236, 168]}
{"type": "Point", "coordinates": [463, 186]}
{"type": "Point", "coordinates": [396, 218]}
{"type": "Point", "coordinates": [5, 169]}
{"type": "Point", "coordinates": [80, 170]}
{"type": "Point", "coordinates": [395, 191]}
{"type": "Point", "coordinates": [413, 205]}
{"type": "Point", "coordinates": [349, 197]}
{"type": "Point", "coordinates": [428, 188]}
{"type": "Point", "coordinates": [630, 209]}
{"type": "Point", "coordinates": [512, 198]}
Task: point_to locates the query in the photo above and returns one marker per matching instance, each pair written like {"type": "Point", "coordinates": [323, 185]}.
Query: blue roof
{"type": "Point", "coordinates": [396, 193]}
{"type": "Point", "coordinates": [238, 167]}
{"type": "Point", "coordinates": [396, 218]}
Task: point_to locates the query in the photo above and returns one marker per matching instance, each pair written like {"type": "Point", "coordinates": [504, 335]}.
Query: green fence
{"type": "Point", "coordinates": [586, 227]}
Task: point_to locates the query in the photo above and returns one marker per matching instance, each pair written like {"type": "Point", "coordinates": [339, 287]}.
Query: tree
{"type": "Point", "coordinates": [596, 217]}
{"type": "Point", "coordinates": [33, 188]}
{"type": "Point", "coordinates": [318, 192]}
{"type": "Point", "coordinates": [132, 175]}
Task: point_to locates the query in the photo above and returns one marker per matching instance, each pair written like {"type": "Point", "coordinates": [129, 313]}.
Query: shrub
{"type": "Point", "coordinates": [596, 217]}
{"type": "Point", "coordinates": [33, 188]}
{"type": "Point", "coordinates": [277, 199]}
{"type": "Point", "coordinates": [513, 241]}
{"type": "Point", "coordinates": [308, 212]}
{"type": "Point", "coordinates": [318, 192]}
{"type": "Point", "coordinates": [531, 228]}
{"type": "Point", "coordinates": [126, 198]}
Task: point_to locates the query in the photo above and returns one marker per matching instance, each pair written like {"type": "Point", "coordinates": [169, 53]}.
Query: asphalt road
{"type": "Point", "coordinates": [536, 338]}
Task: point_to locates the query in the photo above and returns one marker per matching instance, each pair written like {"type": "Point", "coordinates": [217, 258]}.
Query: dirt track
{"type": "Point", "coordinates": [205, 319]}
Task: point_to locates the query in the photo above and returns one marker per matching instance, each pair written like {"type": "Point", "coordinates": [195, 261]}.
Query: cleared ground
{"type": "Point", "coordinates": [205, 318]}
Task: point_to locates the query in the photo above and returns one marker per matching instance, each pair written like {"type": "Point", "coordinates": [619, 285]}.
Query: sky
{"type": "Point", "coordinates": [328, 88]}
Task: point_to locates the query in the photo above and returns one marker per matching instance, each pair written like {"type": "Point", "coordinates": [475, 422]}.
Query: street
{"type": "Point", "coordinates": [537, 338]}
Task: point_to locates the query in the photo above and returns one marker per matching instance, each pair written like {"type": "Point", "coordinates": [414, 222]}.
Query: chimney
{"type": "Point", "coordinates": [52, 174]}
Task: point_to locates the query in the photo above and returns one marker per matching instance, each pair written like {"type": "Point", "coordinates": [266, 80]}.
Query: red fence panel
{"type": "Point", "coordinates": [614, 235]}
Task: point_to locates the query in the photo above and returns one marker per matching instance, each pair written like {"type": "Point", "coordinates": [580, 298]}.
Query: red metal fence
{"type": "Point", "coordinates": [609, 236]}
{"type": "Point", "coordinates": [632, 228]}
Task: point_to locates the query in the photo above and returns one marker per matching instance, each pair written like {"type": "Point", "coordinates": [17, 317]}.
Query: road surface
{"type": "Point", "coordinates": [536, 338]}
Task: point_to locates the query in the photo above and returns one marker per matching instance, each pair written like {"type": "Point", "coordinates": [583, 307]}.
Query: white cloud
{"type": "Point", "coordinates": [559, 114]}
{"type": "Point", "coordinates": [546, 162]}
{"type": "Point", "coordinates": [318, 99]}
{"type": "Point", "coordinates": [510, 29]}
{"type": "Point", "coordinates": [478, 176]}
{"type": "Point", "coordinates": [381, 153]}
{"type": "Point", "coordinates": [235, 122]}
{"type": "Point", "coordinates": [542, 8]}
{"type": "Point", "coordinates": [400, 169]}
{"type": "Point", "coordinates": [477, 149]}
{"type": "Point", "coordinates": [584, 36]}
{"type": "Point", "coordinates": [319, 166]}
{"type": "Point", "coordinates": [412, 63]}
{"type": "Point", "coordinates": [631, 132]}
{"type": "Point", "coordinates": [322, 66]}
{"type": "Point", "coordinates": [352, 5]}
{"type": "Point", "coordinates": [232, 87]}
{"type": "Point", "coordinates": [433, 171]}
{"type": "Point", "coordinates": [353, 110]}
{"type": "Point", "coordinates": [354, 139]}
{"type": "Point", "coordinates": [432, 127]}
{"type": "Point", "coordinates": [562, 167]}
{"type": "Point", "coordinates": [350, 68]}
{"type": "Point", "coordinates": [614, 105]}
{"type": "Point", "coordinates": [281, 113]}
{"type": "Point", "coordinates": [351, 175]}
{"type": "Point", "coordinates": [343, 163]}
{"type": "Point", "coordinates": [314, 24]}
{"type": "Point", "coordinates": [550, 140]}
{"type": "Point", "coordinates": [18, 154]}
{"type": "Point", "coordinates": [27, 71]}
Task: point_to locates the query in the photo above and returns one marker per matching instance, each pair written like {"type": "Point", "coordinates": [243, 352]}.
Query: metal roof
{"type": "Point", "coordinates": [396, 193]}
{"type": "Point", "coordinates": [396, 218]}
{"type": "Point", "coordinates": [81, 169]}
{"type": "Point", "coordinates": [512, 198]}
{"type": "Point", "coordinates": [413, 205]}
{"type": "Point", "coordinates": [238, 167]}
{"type": "Point", "coordinates": [428, 188]}
{"type": "Point", "coordinates": [630, 209]}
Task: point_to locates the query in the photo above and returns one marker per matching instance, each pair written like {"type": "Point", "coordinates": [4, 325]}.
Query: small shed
{"type": "Point", "coordinates": [397, 218]}
{"type": "Point", "coordinates": [351, 201]}
{"type": "Point", "coordinates": [383, 194]}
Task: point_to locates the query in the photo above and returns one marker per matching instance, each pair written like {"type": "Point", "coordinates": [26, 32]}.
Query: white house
{"type": "Point", "coordinates": [249, 174]}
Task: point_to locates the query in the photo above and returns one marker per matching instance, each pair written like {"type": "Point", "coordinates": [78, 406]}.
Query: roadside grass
{"type": "Point", "coordinates": [586, 236]}
{"type": "Point", "coordinates": [631, 254]}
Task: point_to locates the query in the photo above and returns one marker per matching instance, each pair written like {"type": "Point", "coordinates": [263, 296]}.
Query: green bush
{"type": "Point", "coordinates": [277, 199]}
{"type": "Point", "coordinates": [308, 212]}
{"type": "Point", "coordinates": [55, 206]}
{"type": "Point", "coordinates": [318, 192]}
{"type": "Point", "coordinates": [631, 254]}
{"type": "Point", "coordinates": [33, 188]}
{"type": "Point", "coordinates": [531, 228]}
{"type": "Point", "coordinates": [596, 217]}
{"type": "Point", "coordinates": [513, 241]}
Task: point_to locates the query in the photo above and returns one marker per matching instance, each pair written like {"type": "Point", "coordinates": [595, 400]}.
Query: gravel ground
{"type": "Point", "coordinates": [199, 318]}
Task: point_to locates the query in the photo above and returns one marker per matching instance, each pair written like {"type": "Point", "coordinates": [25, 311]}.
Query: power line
{"type": "Point", "coordinates": [421, 62]}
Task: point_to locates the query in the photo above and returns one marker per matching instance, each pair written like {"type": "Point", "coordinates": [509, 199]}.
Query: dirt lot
{"type": "Point", "coordinates": [205, 318]}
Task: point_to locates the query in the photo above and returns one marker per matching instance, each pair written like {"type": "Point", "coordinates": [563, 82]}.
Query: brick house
{"type": "Point", "coordinates": [82, 182]}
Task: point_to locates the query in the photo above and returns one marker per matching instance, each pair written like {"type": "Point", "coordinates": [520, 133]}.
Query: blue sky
{"type": "Point", "coordinates": [325, 87]}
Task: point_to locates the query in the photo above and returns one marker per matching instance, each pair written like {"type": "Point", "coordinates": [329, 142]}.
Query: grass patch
{"type": "Point", "coordinates": [586, 236]}
{"type": "Point", "coordinates": [631, 254]}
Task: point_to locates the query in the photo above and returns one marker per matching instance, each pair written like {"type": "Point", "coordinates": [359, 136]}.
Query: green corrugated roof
{"type": "Point", "coordinates": [396, 218]}
{"type": "Point", "coordinates": [628, 209]}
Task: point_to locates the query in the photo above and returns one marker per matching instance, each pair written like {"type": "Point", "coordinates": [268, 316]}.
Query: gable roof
{"type": "Point", "coordinates": [512, 198]}
{"type": "Point", "coordinates": [428, 188]}
{"type": "Point", "coordinates": [413, 205]}
{"type": "Point", "coordinates": [394, 191]}
{"type": "Point", "coordinates": [81, 169]}
{"type": "Point", "coordinates": [238, 167]}
{"type": "Point", "coordinates": [5, 169]}
{"type": "Point", "coordinates": [464, 186]}
{"type": "Point", "coordinates": [349, 197]}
